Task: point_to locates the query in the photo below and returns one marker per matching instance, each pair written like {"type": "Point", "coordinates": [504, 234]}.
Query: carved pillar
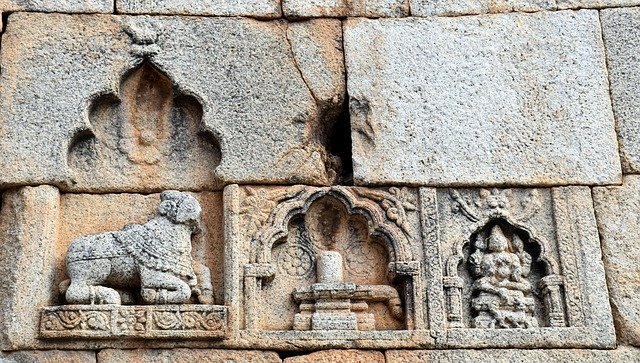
{"type": "Point", "coordinates": [411, 270]}
{"type": "Point", "coordinates": [552, 297]}
{"type": "Point", "coordinates": [254, 273]}
{"type": "Point", "coordinates": [453, 292]}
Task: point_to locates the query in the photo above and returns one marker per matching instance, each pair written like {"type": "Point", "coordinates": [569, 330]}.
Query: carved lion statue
{"type": "Point", "coordinates": [155, 256]}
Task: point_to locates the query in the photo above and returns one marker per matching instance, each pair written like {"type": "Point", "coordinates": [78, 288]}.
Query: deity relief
{"type": "Point", "coordinates": [501, 293]}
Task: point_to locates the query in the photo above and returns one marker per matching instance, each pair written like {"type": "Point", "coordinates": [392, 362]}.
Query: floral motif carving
{"type": "Point", "coordinates": [111, 321]}
{"type": "Point", "coordinates": [362, 258]}
{"type": "Point", "coordinates": [496, 203]}
{"type": "Point", "coordinates": [296, 260]}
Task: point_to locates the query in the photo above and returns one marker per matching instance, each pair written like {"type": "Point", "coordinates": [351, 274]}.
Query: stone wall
{"type": "Point", "coordinates": [319, 181]}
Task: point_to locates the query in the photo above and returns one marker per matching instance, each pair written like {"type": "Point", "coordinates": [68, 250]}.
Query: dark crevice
{"type": "Point", "coordinates": [339, 144]}
{"type": "Point", "coordinates": [5, 20]}
{"type": "Point", "coordinates": [285, 355]}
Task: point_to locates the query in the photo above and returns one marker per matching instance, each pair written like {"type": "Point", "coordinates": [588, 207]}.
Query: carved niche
{"type": "Point", "coordinates": [333, 259]}
{"type": "Point", "coordinates": [146, 136]}
{"type": "Point", "coordinates": [506, 275]}
{"type": "Point", "coordinates": [140, 281]}
{"type": "Point", "coordinates": [509, 268]}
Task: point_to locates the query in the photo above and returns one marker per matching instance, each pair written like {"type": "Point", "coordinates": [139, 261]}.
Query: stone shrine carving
{"type": "Point", "coordinates": [147, 263]}
{"type": "Point", "coordinates": [347, 254]}
{"type": "Point", "coordinates": [503, 287]}
{"type": "Point", "coordinates": [501, 293]}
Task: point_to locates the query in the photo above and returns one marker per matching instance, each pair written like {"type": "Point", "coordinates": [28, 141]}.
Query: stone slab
{"type": "Point", "coordinates": [39, 225]}
{"type": "Point", "coordinates": [252, 8]}
{"type": "Point", "coordinates": [342, 8]}
{"type": "Point", "coordinates": [595, 4]}
{"type": "Point", "coordinates": [618, 213]}
{"type": "Point", "coordinates": [333, 355]}
{"type": "Point", "coordinates": [69, 115]}
{"type": "Point", "coordinates": [518, 99]}
{"type": "Point", "coordinates": [28, 225]}
{"type": "Point", "coordinates": [620, 30]}
{"type": "Point", "coordinates": [621, 354]}
{"type": "Point", "coordinates": [48, 356]}
{"type": "Point", "coordinates": [67, 6]}
{"type": "Point", "coordinates": [554, 235]}
{"type": "Point", "coordinates": [467, 7]}
{"type": "Point", "coordinates": [187, 355]}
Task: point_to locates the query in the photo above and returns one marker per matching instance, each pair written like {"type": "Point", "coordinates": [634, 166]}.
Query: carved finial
{"type": "Point", "coordinates": [144, 36]}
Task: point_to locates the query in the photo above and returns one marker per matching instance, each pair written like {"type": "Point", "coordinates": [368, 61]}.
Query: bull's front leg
{"type": "Point", "coordinates": [203, 288]}
{"type": "Point", "coordinates": [162, 288]}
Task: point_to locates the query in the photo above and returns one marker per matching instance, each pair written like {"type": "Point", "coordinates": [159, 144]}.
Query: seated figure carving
{"type": "Point", "coordinates": [502, 294]}
{"type": "Point", "coordinates": [154, 257]}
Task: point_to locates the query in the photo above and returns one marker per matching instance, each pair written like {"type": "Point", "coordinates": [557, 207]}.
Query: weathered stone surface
{"type": "Point", "coordinates": [48, 356]}
{"type": "Point", "coordinates": [28, 231]}
{"type": "Point", "coordinates": [332, 355]}
{"type": "Point", "coordinates": [153, 259]}
{"type": "Point", "coordinates": [66, 6]}
{"type": "Point", "coordinates": [466, 7]}
{"type": "Point", "coordinates": [326, 260]}
{"type": "Point", "coordinates": [514, 268]}
{"type": "Point", "coordinates": [504, 99]}
{"type": "Point", "coordinates": [253, 8]}
{"type": "Point", "coordinates": [595, 4]}
{"type": "Point", "coordinates": [618, 213]}
{"type": "Point", "coordinates": [34, 280]}
{"type": "Point", "coordinates": [117, 103]}
{"type": "Point", "coordinates": [621, 354]}
{"type": "Point", "coordinates": [340, 8]}
{"type": "Point", "coordinates": [187, 355]}
{"type": "Point", "coordinates": [620, 28]}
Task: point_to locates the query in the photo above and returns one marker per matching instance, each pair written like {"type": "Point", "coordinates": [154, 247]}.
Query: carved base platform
{"type": "Point", "coordinates": [139, 321]}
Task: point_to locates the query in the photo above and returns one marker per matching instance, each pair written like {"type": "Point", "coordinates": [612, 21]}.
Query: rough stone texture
{"type": "Point", "coordinates": [466, 7]}
{"type": "Point", "coordinates": [252, 8]}
{"type": "Point", "coordinates": [66, 6]}
{"type": "Point", "coordinates": [622, 354]}
{"type": "Point", "coordinates": [346, 356]}
{"type": "Point", "coordinates": [517, 99]}
{"type": "Point", "coordinates": [618, 213]}
{"type": "Point", "coordinates": [152, 258]}
{"type": "Point", "coordinates": [594, 4]}
{"type": "Point", "coordinates": [283, 243]}
{"type": "Point", "coordinates": [253, 113]}
{"type": "Point", "coordinates": [48, 356]}
{"type": "Point", "coordinates": [486, 249]}
{"type": "Point", "coordinates": [187, 355]}
{"type": "Point", "coordinates": [36, 244]}
{"type": "Point", "coordinates": [28, 231]}
{"type": "Point", "coordinates": [620, 28]}
{"type": "Point", "coordinates": [340, 8]}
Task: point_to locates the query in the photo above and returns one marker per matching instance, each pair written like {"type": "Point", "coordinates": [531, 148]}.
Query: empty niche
{"type": "Point", "coordinates": [503, 280]}
{"type": "Point", "coordinates": [331, 268]}
{"type": "Point", "coordinates": [150, 137]}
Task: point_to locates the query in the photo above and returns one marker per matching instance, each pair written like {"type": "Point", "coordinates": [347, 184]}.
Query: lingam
{"type": "Point", "coordinates": [333, 304]}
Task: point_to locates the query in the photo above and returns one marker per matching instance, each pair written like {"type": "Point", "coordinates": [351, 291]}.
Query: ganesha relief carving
{"type": "Point", "coordinates": [148, 263]}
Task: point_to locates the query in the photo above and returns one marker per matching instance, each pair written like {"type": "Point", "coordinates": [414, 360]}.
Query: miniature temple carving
{"type": "Point", "coordinates": [504, 274]}
{"type": "Point", "coordinates": [346, 253]}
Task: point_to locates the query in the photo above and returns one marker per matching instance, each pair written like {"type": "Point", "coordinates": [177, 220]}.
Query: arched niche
{"type": "Point", "coordinates": [374, 251]}
{"type": "Point", "coordinates": [502, 276]}
{"type": "Point", "coordinates": [148, 136]}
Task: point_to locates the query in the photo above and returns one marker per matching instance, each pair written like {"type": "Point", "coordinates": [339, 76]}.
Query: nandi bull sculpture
{"type": "Point", "coordinates": [155, 256]}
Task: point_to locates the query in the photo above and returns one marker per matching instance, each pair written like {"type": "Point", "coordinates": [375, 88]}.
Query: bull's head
{"type": "Point", "coordinates": [180, 208]}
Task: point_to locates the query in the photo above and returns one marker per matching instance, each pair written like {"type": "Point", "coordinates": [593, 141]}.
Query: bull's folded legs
{"type": "Point", "coordinates": [203, 288]}
{"type": "Point", "coordinates": [162, 288]}
{"type": "Point", "coordinates": [86, 288]}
